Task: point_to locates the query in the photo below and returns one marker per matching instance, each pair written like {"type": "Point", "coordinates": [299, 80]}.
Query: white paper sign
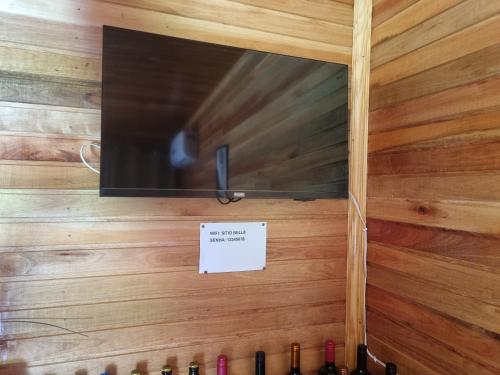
{"type": "Point", "coordinates": [230, 247]}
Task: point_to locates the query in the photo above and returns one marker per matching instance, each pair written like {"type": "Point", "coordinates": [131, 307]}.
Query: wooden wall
{"type": "Point", "coordinates": [122, 273]}
{"type": "Point", "coordinates": [433, 188]}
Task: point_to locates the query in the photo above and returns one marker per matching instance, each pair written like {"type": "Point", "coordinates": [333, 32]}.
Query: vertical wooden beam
{"type": "Point", "coordinates": [358, 149]}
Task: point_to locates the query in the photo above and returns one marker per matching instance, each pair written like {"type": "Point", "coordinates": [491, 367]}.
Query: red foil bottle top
{"type": "Point", "coordinates": [330, 351]}
{"type": "Point", "coordinates": [222, 365]}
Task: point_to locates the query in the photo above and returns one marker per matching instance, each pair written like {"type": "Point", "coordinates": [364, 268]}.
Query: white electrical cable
{"type": "Point", "coordinates": [365, 250]}
{"type": "Point", "coordinates": [82, 150]}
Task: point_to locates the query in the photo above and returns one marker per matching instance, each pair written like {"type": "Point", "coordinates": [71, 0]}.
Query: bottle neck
{"type": "Point", "coordinates": [330, 353]}
{"type": "Point", "coordinates": [362, 357]}
{"type": "Point", "coordinates": [221, 365]}
{"type": "Point", "coordinates": [260, 363]}
{"type": "Point", "coordinates": [295, 357]}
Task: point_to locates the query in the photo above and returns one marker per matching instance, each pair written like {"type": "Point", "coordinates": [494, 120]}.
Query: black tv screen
{"type": "Point", "coordinates": [192, 119]}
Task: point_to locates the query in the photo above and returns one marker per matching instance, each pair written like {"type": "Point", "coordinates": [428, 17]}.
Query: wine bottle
{"type": "Point", "coordinates": [167, 370]}
{"type": "Point", "coordinates": [361, 361]}
{"type": "Point", "coordinates": [222, 365]}
{"type": "Point", "coordinates": [295, 359]}
{"type": "Point", "coordinates": [329, 367]}
{"type": "Point", "coordinates": [194, 368]}
{"type": "Point", "coordinates": [260, 363]}
{"type": "Point", "coordinates": [391, 369]}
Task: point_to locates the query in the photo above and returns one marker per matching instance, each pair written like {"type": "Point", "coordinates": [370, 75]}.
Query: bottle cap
{"type": "Point", "coordinates": [135, 372]}
{"type": "Point", "coordinates": [194, 365]}
{"type": "Point", "coordinates": [390, 369]}
{"type": "Point", "coordinates": [330, 351]}
{"type": "Point", "coordinates": [295, 355]}
{"type": "Point", "coordinates": [222, 364]}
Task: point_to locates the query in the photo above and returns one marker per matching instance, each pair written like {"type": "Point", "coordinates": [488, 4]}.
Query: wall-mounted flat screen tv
{"type": "Point", "coordinates": [186, 118]}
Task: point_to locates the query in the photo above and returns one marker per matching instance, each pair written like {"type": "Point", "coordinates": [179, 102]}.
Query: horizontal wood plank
{"type": "Point", "coordinates": [99, 261]}
{"type": "Point", "coordinates": [110, 315]}
{"type": "Point", "coordinates": [28, 88]}
{"type": "Point", "coordinates": [339, 11]}
{"type": "Point", "coordinates": [153, 231]}
{"type": "Point", "coordinates": [48, 203]}
{"type": "Point", "coordinates": [478, 97]}
{"type": "Point", "coordinates": [96, 344]}
{"type": "Point", "coordinates": [462, 71]}
{"type": "Point", "coordinates": [469, 40]}
{"type": "Point", "coordinates": [440, 358]}
{"type": "Point", "coordinates": [467, 157]}
{"type": "Point", "coordinates": [465, 14]}
{"type": "Point", "coordinates": [252, 17]}
{"type": "Point", "coordinates": [451, 186]}
{"type": "Point", "coordinates": [478, 250]}
{"type": "Point", "coordinates": [473, 343]}
{"type": "Point", "coordinates": [18, 58]}
{"type": "Point", "coordinates": [383, 10]}
{"type": "Point", "coordinates": [59, 37]}
{"type": "Point", "coordinates": [457, 306]}
{"type": "Point", "coordinates": [410, 17]}
{"type": "Point", "coordinates": [14, 147]}
{"type": "Point", "coordinates": [468, 127]}
{"type": "Point", "coordinates": [445, 273]}
{"type": "Point", "coordinates": [48, 120]}
{"type": "Point", "coordinates": [477, 217]}
{"type": "Point", "coordinates": [50, 175]}
{"type": "Point", "coordinates": [95, 13]}
{"type": "Point", "coordinates": [65, 292]}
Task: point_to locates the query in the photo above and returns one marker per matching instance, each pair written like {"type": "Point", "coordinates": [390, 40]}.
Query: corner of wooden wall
{"type": "Point", "coordinates": [358, 150]}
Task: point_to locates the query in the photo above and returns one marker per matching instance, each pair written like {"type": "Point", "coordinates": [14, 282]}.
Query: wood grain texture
{"type": "Point", "coordinates": [466, 14]}
{"type": "Point", "coordinates": [465, 127]}
{"type": "Point", "coordinates": [252, 17]}
{"type": "Point", "coordinates": [35, 89]}
{"type": "Point", "coordinates": [39, 61]}
{"type": "Point", "coordinates": [123, 273]}
{"type": "Point", "coordinates": [477, 97]}
{"type": "Point", "coordinates": [95, 13]}
{"type": "Point", "coordinates": [433, 200]}
{"type": "Point", "coordinates": [337, 11]}
{"type": "Point", "coordinates": [358, 148]}
{"type": "Point", "coordinates": [48, 120]}
{"type": "Point", "coordinates": [409, 17]}
{"type": "Point", "coordinates": [469, 40]}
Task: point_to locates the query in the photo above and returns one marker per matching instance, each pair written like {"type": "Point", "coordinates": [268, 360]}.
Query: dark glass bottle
{"type": "Point", "coordinates": [167, 370]}
{"type": "Point", "coordinates": [361, 368]}
{"type": "Point", "coordinates": [391, 369]}
{"type": "Point", "coordinates": [295, 359]}
{"type": "Point", "coordinates": [329, 367]}
{"type": "Point", "coordinates": [222, 365]}
{"type": "Point", "coordinates": [260, 363]}
{"type": "Point", "coordinates": [194, 368]}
